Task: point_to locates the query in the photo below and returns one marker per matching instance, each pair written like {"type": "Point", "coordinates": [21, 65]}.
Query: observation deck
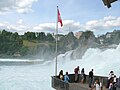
{"type": "Point", "coordinates": [61, 85]}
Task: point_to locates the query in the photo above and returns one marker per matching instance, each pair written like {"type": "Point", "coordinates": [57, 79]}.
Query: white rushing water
{"type": "Point", "coordinates": [38, 76]}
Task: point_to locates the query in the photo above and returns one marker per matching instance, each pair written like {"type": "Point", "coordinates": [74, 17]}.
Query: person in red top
{"type": "Point", "coordinates": [77, 71]}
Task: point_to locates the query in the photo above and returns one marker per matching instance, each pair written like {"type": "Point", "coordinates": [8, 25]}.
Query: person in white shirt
{"type": "Point", "coordinates": [115, 79]}
{"type": "Point", "coordinates": [97, 85]}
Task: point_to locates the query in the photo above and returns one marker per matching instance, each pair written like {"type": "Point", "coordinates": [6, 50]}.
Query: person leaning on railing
{"type": "Point", "coordinates": [66, 78]}
{"type": "Point", "coordinates": [61, 75]}
{"type": "Point", "coordinates": [83, 76]}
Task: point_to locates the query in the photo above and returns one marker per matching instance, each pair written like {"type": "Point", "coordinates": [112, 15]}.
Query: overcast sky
{"type": "Point", "coordinates": [40, 16]}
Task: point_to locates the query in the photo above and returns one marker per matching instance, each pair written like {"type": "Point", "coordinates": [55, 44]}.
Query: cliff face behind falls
{"type": "Point", "coordinates": [39, 45]}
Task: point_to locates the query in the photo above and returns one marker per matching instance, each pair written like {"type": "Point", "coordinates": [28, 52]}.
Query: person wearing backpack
{"type": "Point", "coordinates": [66, 78]}
{"type": "Point", "coordinates": [77, 70]}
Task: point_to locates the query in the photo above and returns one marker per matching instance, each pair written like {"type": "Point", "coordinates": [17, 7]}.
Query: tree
{"type": "Point", "coordinates": [41, 36]}
{"type": "Point", "coordinates": [10, 43]}
{"type": "Point", "coordinates": [29, 36]}
{"type": "Point", "coordinates": [50, 37]}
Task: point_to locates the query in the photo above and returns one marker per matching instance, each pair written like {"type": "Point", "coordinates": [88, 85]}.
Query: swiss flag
{"type": "Point", "coordinates": [59, 18]}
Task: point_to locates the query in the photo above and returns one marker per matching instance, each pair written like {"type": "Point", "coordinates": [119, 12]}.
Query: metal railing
{"type": "Point", "coordinates": [61, 85]}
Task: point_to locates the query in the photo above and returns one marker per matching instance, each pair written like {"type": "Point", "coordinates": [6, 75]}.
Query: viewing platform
{"type": "Point", "coordinates": [61, 85]}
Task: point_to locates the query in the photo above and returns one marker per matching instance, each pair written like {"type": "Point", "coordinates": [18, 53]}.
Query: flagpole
{"type": "Point", "coordinates": [56, 38]}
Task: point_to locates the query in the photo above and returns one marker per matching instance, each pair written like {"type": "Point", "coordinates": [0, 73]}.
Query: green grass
{"type": "Point", "coordinates": [27, 43]}
{"type": "Point", "coordinates": [33, 44]}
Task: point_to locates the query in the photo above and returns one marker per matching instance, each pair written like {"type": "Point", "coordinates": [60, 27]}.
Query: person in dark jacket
{"type": "Point", "coordinates": [90, 78]}
{"type": "Point", "coordinates": [61, 75]}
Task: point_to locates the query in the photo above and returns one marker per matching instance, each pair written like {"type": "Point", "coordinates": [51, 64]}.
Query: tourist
{"type": "Point", "coordinates": [111, 75]}
{"type": "Point", "coordinates": [114, 82]}
{"type": "Point", "coordinates": [97, 85]}
{"type": "Point", "coordinates": [118, 83]}
{"type": "Point", "coordinates": [83, 75]}
{"type": "Point", "coordinates": [61, 75]}
{"type": "Point", "coordinates": [90, 78]}
{"type": "Point", "coordinates": [77, 70]}
{"type": "Point", "coordinates": [82, 71]}
{"type": "Point", "coordinates": [111, 84]}
{"type": "Point", "coordinates": [66, 78]}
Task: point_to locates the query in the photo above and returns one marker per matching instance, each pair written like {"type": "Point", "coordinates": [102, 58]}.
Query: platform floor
{"type": "Point", "coordinates": [80, 86]}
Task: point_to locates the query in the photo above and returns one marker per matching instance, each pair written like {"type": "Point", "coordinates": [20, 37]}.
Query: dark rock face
{"type": "Point", "coordinates": [68, 42]}
{"type": "Point", "coordinates": [86, 41]}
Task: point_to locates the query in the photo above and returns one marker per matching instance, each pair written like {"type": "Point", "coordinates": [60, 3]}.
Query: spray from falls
{"type": "Point", "coordinates": [37, 77]}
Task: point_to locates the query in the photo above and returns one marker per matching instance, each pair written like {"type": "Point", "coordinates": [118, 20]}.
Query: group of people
{"type": "Point", "coordinates": [64, 77]}
{"type": "Point", "coordinates": [97, 85]}
{"type": "Point", "coordinates": [77, 72]}
{"type": "Point", "coordinates": [112, 82]}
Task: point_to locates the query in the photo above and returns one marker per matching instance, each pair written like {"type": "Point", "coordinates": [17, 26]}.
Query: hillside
{"type": "Point", "coordinates": [42, 46]}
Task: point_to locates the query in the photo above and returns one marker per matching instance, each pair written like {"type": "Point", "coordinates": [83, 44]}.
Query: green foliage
{"type": "Point", "coordinates": [29, 36]}
{"type": "Point", "coordinates": [24, 51]}
{"type": "Point", "coordinates": [50, 37]}
{"type": "Point", "coordinates": [10, 43]}
{"type": "Point", "coordinates": [41, 36]}
{"type": "Point", "coordinates": [31, 43]}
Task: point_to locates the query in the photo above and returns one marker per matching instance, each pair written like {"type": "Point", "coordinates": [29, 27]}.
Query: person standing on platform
{"type": "Point", "coordinates": [61, 75]}
{"type": "Point", "coordinates": [118, 84]}
{"type": "Point", "coordinates": [66, 78]}
{"type": "Point", "coordinates": [97, 85]}
{"type": "Point", "coordinates": [77, 71]}
{"type": "Point", "coordinates": [111, 75]}
{"type": "Point", "coordinates": [90, 78]}
{"type": "Point", "coordinates": [114, 82]}
{"type": "Point", "coordinates": [83, 75]}
{"type": "Point", "coordinates": [111, 84]}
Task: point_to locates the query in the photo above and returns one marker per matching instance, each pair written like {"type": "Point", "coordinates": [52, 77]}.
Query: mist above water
{"type": "Point", "coordinates": [38, 76]}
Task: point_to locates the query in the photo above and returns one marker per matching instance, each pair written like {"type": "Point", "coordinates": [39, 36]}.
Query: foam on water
{"type": "Point", "coordinates": [38, 77]}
